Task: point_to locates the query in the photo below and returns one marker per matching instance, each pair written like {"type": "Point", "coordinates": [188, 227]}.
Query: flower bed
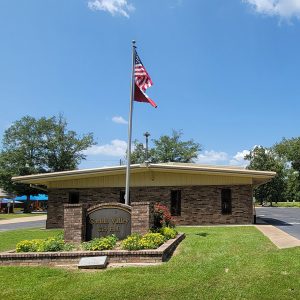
{"type": "Point", "coordinates": [161, 254]}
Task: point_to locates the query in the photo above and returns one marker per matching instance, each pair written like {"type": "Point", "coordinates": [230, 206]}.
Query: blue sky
{"type": "Point", "coordinates": [226, 73]}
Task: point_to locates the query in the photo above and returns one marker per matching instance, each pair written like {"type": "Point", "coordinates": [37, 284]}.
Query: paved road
{"type": "Point", "coordinates": [21, 225]}
{"type": "Point", "coordinates": [284, 218]}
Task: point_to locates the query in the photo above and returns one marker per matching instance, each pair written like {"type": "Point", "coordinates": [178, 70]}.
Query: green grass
{"type": "Point", "coordinates": [9, 239]}
{"type": "Point", "coordinates": [286, 204]}
{"type": "Point", "coordinates": [211, 263]}
{"type": "Point", "coordinates": [19, 215]}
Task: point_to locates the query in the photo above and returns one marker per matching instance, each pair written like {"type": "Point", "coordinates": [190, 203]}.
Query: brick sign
{"type": "Point", "coordinates": [106, 220]}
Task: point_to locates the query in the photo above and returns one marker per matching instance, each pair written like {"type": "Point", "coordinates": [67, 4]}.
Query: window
{"type": "Point", "coordinates": [74, 197]}
{"type": "Point", "coordinates": [226, 201]}
{"type": "Point", "coordinates": [122, 197]}
{"type": "Point", "coordinates": [175, 203]}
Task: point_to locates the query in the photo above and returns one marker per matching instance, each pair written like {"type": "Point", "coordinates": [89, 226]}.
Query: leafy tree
{"type": "Point", "coordinates": [265, 159]}
{"type": "Point", "coordinates": [167, 149]}
{"type": "Point", "coordinates": [138, 155]}
{"type": "Point", "coordinates": [289, 149]}
{"type": "Point", "coordinates": [292, 191]}
{"type": "Point", "coordinates": [32, 146]}
{"type": "Point", "coordinates": [173, 149]}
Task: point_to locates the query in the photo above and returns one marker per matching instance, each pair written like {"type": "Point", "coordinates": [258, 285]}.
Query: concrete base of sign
{"type": "Point", "coordinates": [98, 262]}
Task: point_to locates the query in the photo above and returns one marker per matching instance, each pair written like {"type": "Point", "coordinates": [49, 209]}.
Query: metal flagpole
{"type": "Point", "coordinates": [130, 127]}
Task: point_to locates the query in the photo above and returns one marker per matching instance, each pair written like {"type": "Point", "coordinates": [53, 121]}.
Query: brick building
{"type": "Point", "coordinates": [195, 194]}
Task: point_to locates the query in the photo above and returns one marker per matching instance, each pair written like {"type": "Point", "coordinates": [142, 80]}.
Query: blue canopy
{"type": "Point", "coordinates": [39, 197]}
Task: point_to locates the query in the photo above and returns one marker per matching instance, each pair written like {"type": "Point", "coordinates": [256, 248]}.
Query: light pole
{"type": "Point", "coordinates": [146, 134]}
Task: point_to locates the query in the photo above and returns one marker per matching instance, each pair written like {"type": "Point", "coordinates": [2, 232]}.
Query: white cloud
{"type": "Point", "coordinates": [119, 120]}
{"type": "Point", "coordinates": [238, 159]}
{"type": "Point", "coordinates": [285, 9]}
{"type": "Point", "coordinates": [115, 148]}
{"type": "Point", "coordinates": [222, 158]}
{"type": "Point", "coordinates": [114, 7]}
{"type": "Point", "coordinates": [212, 157]}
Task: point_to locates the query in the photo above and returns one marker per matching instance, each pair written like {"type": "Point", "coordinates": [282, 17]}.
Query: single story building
{"type": "Point", "coordinates": [195, 194]}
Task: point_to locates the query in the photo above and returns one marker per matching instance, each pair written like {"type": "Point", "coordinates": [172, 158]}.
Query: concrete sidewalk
{"type": "Point", "coordinates": [278, 237]}
{"type": "Point", "coordinates": [23, 220]}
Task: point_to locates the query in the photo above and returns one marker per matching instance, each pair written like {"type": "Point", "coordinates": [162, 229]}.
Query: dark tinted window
{"type": "Point", "coordinates": [226, 201]}
{"type": "Point", "coordinates": [122, 197]}
{"type": "Point", "coordinates": [175, 203]}
{"type": "Point", "coordinates": [74, 197]}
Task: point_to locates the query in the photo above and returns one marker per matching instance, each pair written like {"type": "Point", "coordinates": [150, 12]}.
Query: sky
{"type": "Point", "coordinates": [226, 73]}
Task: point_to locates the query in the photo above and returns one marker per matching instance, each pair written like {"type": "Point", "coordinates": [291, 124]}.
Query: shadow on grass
{"type": "Point", "coordinates": [202, 234]}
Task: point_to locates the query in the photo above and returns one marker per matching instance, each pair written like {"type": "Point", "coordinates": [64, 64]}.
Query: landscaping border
{"type": "Point", "coordinates": [161, 254]}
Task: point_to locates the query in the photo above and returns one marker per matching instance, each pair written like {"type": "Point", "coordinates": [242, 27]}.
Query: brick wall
{"type": "Point", "coordinates": [75, 223]}
{"type": "Point", "coordinates": [199, 204]}
{"type": "Point", "coordinates": [142, 217]}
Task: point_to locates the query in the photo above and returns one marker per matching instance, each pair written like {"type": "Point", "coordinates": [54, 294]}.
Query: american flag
{"type": "Point", "coordinates": [142, 78]}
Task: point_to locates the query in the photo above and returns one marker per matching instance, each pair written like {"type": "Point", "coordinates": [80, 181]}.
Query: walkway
{"type": "Point", "coordinates": [278, 237]}
{"type": "Point", "coordinates": [26, 222]}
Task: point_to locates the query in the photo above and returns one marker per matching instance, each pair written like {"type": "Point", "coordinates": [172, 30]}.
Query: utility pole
{"type": "Point", "coordinates": [146, 134]}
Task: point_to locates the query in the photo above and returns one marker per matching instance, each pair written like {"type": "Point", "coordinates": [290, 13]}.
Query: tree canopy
{"type": "Point", "coordinates": [31, 146]}
{"type": "Point", "coordinates": [167, 149]}
{"type": "Point", "coordinates": [265, 159]}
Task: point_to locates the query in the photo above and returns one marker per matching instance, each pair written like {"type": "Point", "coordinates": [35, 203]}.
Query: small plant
{"type": "Point", "coordinates": [44, 245]}
{"type": "Point", "coordinates": [152, 240]}
{"type": "Point", "coordinates": [103, 243]}
{"type": "Point", "coordinates": [51, 245]}
{"type": "Point", "coordinates": [132, 242]}
{"type": "Point", "coordinates": [29, 245]}
{"type": "Point", "coordinates": [162, 217]}
{"type": "Point", "coordinates": [168, 232]}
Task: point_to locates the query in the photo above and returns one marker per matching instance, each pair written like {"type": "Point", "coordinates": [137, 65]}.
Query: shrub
{"type": "Point", "coordinates": [168, 232]}
{"type": "Point", "coordinates": [51, 245]}
{"type": "Point", "coordinates": [103, 243]}
{"type": "Point", "coordinates": [44, 245]}
{"type": "Point", "coordinates": [162, 217]}
{"type": "Point", "coordinates": [152, 240]}
{"type": "Point", "coordinates": [29, 245]}
{"type": "Point", "coordinates": [132, 242]}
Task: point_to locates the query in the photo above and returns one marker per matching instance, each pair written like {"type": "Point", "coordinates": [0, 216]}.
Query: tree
{"type": "Point", "coordinates": [290, 149]}
{"type": "Point", "coordinates": [265, 159]}
{"type": "Point", "coordinates": [138, 155]}
{"type": "Point", "coordinates": [32, 146]}
{"type": "Point", "coordinates": [292, 191]}
{"type": "Point", "coordinates": [167, 149]}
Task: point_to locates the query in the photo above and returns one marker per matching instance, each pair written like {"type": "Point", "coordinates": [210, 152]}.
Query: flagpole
{"type": "Point", "coordinates": [130, 127]}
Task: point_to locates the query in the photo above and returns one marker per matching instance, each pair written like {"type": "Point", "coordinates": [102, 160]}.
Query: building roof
{"type": "Point", "coordinates": [3, 194]}
{"type": "Point", "coordinates": [258, 177]}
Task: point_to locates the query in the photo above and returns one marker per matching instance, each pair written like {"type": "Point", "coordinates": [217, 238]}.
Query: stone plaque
{"type": "Point", "coordinates": [94, 262]}
{"type": "Point", "coordinates": [108, 220]}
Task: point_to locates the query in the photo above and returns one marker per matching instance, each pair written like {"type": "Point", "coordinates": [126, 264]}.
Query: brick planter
{"type": "Point", "coordinates": [163, 253]}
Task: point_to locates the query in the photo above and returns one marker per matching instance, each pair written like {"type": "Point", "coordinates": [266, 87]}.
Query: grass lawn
{"type": "Point", "coordinates": [211, 263]}
{"type": "Point", "coordinates": [19, 215]}
{"type": "Point", "coordinates": [9, 239]}
{"type": "Point", "coordinates": [287, 204]}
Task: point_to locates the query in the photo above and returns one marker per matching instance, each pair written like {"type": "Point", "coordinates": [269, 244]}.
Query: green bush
{"type": "Point", "coordinates": [29, 245]}
{"type": "Point", "coordinates": [132, 242]}
{"type": "Point", "coordinates": [152, 240]}
{"type": "Point", "coordinates": [103, 243]}
{"type": "Point", "coordinates": [44, 245]}
{"type": "Point", "coordinates": [168, 232]}
{"type": "Point", "coordinates": [52, 245]}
